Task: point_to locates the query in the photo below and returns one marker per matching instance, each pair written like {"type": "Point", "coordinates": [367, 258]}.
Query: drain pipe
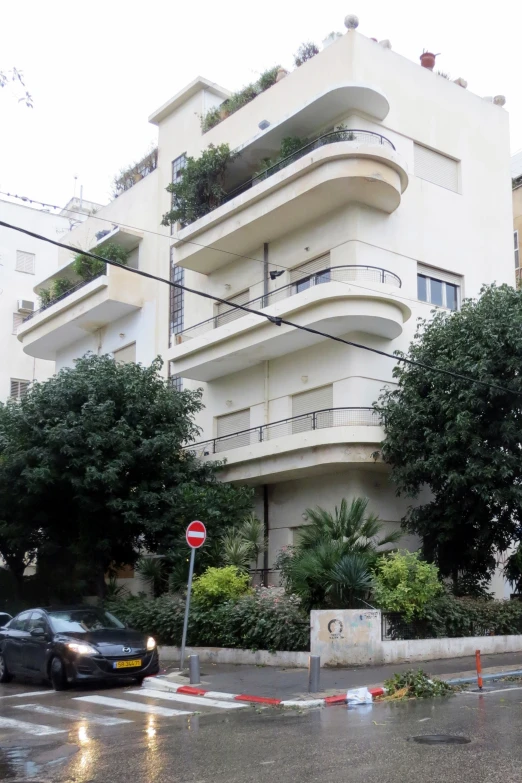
{"type": "Point", "coordinates": [266, 521]}
{"type": "Point", "coordinates": [265, 271]}
{"type": "Point", "coordinates": [266, 533]}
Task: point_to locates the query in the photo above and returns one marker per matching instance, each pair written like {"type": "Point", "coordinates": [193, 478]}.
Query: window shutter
{"type": "Point", "coordinates": [230, 424]}
{"type": "Point", "coordinates": [25, 262]}
{"type": "Point", "coordinates": [313, 400]}
{"type": "Point", "coordinates": [18, 319]}
{"type": "Point", "coordinates": [126, 355]}
{"type": "Point", "coordinates": [224, 311]}
{"type": "Point", "coordinates": [316, 265]}
{"type": "Point", "coordinates": [439, 274]}
{"type": "Point", "coordinates": [437, 168]}
{"type": "Point", "coordinates": [19, 388]}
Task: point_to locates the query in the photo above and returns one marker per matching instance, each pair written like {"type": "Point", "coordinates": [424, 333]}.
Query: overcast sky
{"type": "Point", "coordinates": [96, 70]}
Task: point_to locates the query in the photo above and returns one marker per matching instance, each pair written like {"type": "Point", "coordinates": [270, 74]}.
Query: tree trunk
{"type": "Point", "coordinates": [16, 565]}
{"type": "Point", "coordinates": [99, 581]}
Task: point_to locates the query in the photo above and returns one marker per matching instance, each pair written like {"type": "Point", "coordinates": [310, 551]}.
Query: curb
{"type": "Point", "coordinates": [160, 683]}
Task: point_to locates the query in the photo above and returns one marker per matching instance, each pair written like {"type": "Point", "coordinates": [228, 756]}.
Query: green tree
{"type": "Point", "coordinates": [92, 467]}
{"type": "Point", "coordinates": [404, 583]}
{"type": "Point", "coordinates": [202, 186]}
{"type": "Point", "coordinates": [460, 439]}
{"type": "Point", "coordinates": [331, 564]}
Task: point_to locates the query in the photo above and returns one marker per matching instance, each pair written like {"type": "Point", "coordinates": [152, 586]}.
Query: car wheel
{"type": "Point", "coordinates": [139, 680]}
{"type": "Point", "coordinates": [57, 674]}
{"type": "Point", "coordinates": [4, 673]}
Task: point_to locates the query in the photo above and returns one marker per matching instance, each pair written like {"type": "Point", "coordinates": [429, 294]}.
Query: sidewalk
{"type": "Point", "coordinates": [290, 683]}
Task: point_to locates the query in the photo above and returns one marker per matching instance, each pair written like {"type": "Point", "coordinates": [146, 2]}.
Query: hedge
{"type": "Point", "coordinates": [264, 620]}
{"type": "Point", "coordinates": [447, 616]}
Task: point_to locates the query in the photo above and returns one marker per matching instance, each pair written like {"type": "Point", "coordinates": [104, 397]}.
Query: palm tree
{"type": "Point", "coordinates": [331, 565]}
{"type": "Point", "coordinates": [242, 546]}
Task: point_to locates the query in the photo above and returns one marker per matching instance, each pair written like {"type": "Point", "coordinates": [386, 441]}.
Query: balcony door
{"type": "Point", "coordinates": [312, 409]}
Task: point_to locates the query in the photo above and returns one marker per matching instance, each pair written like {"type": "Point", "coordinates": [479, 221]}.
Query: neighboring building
{"type": "Point", "coordinates": [406, 209]}
{"type": "Point", "coordinates": [517, 216]}
{"type": "Point", "coordinates": [23, 260]}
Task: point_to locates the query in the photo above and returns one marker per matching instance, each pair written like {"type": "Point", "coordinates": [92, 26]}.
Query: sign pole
{"type": "Point", "coordinates": [187, 607]}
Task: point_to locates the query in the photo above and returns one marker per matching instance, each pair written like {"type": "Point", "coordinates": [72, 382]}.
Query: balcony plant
{"type": "Point", "coordinates": [88, 268]}
{"type": "Point", "coordinates": [57, 288]}
{"type": "Point", "coordinates": [129, 176]}
{"type": "Point", "coordinates": [201, 188]}
{"type": "Point", "coordinates": [239, 99]}
{"type": "Point", "coordinates": [305, 52]}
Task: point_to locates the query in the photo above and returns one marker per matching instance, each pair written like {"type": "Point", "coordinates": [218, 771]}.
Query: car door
{"type": "Point", "coordinates": [36, 645]}
{"type": "Point", "coordinates": [15, 635]}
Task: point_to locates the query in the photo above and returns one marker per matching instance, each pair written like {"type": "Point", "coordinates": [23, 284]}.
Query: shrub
{"type": "Point", "coordinates": [239, 99]}
{"type": "Point", "coordinates": [405, 584]}
{"type": "Point", "coordinates": [305, 52]}
{"type": "Point", "coordinates": [268, 78]}
{"type": "Point", "coordinates": [216, 585]}
{"type": "Point", "coordinates": [263, 619]}
{"type": "Point", "coordinates": [211, 118]}
{"type": "Point", "coordinates": [88, 268]}
{"type": "Point", "coordinates": [58, 287]}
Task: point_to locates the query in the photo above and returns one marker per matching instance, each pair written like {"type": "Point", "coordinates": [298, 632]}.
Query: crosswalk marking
{"type": "Point", "coordinates": [61, 712]}
{"type": "Point", "coordinates": [27, 695]}
{"type": "Point", "coordinates": [134, 706]}
{"type": "Point", "coordinates": [37, 729]}
{"type": "Point", "coordinates": [203, 702]}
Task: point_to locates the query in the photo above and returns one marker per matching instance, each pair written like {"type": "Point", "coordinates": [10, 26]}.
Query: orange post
{"type": "Point", "coordinates": [479, 669]}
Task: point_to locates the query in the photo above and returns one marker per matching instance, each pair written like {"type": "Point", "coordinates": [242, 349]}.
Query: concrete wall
{"type": "Point", "coordinates": [349, 637]}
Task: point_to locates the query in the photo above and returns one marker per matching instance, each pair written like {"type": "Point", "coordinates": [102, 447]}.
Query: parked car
{"type": "Point", "coordinates": [4, 618]}
{"type": "Point", "coordinates": [69, 645]}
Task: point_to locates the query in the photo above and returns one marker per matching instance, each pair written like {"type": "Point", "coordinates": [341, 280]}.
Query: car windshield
{"type": "Point", "coordinates": [83, 620]}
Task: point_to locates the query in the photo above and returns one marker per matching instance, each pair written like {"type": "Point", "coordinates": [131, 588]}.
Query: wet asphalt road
{"type": "Point", "coordinates": [365, 744]}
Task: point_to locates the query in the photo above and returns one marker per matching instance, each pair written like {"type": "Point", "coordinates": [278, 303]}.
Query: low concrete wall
{"type": "Point", "coordinates": [230, 655]}
{"type": "Point", "coordinates": [428, 649]}
{"type": "Point", "coordinates": [352, 637]}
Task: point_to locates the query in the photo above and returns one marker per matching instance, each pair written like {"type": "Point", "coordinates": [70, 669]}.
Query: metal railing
{"type": "Point", "coordinates": [335, 274]}
{"type": "Point", "coordinates": [349, 135]}
{"type": "Point", "coordinates": [318, 420]}
{"type": "Point", "coordinates": [62, 296]}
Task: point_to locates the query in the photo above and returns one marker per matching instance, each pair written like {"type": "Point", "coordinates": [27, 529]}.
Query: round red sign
{"type": "Point", "coordinates": [196, 534]}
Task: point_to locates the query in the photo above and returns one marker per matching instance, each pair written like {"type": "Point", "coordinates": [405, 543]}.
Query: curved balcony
{"type": "Point", "coordinates": [342, 167]}
{"type": "Point", "coordinates": [340, 274]}
{"type": "Point", "coordinates": [302, 445]}
{"type": "Point", "coordinates": [337, 301]}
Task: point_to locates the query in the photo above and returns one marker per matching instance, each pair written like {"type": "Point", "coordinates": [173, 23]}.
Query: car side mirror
{"type": "Point", "coordinates": [40, 631]}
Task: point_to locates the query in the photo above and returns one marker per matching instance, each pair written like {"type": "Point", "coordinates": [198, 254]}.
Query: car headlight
{"type": "Point", "coordinates": [151, 643]}
{"type": "Point", "coordinates": [81, 649]}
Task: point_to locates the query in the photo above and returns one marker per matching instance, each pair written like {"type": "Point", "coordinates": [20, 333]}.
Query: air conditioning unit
{"type": "Point", "coordinates": [25, 306]}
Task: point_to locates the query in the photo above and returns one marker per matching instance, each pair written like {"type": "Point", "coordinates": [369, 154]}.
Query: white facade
{"type": "Point", "coordinates": [23, 261]}
{"type": "Point", "coordinates": [416, 202]}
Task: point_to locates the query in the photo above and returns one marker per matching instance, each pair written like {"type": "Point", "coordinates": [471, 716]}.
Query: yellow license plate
{"type": "Point", "coordinates": [127, 664]}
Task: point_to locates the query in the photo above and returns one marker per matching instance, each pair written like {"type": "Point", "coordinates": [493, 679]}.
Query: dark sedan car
{"type": "Point", "coordinates": [67, 645]}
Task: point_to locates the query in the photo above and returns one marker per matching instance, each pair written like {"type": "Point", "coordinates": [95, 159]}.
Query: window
{"type": "Point", "coordinates": [175, 381]}
{"type": "Point", "coordinates": [443, 291]}
{"type": "Point", "coordinates": [230, 424]}
{"type": "Point", "coordinates": [177, 300]}
{"type": "Point", "coordinates": [19, 388]}
{"type": "Point", "coordinates": [436, 167]}
{"type": "Point", "coordinates": [25, 262]}
{"type": "Point", "coordinates": [517, 250]}
{"type": "Point", "coordinates": [18, 319]}
{"type": "Point", "coordinates": [21, 622]}
{"type": "Point", "coordinates": [226, 312]}
{"type": "Point", "coordinates": [178, 164]}
{"type": "Point", "coordinates": [126, 355]}
{"type": "Point", "coordinates": [316, 267]}
{"type": "Point", "coordinates": [316, 401]}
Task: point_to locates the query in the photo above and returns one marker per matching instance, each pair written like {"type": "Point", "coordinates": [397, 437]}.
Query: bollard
{"type": "Point", "coordinates": [479, 669]}
{"type": "Point", "coordinates": [314, 671]}
{"type": "Point", "coordinates": [194, 669]}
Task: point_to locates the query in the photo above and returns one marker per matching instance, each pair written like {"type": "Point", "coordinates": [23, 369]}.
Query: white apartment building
{"type": "Point", "coordinates": [370, 229]}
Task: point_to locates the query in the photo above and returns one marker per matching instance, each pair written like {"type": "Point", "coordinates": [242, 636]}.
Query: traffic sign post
{"type": "Point", "coordinates": [196, 536]}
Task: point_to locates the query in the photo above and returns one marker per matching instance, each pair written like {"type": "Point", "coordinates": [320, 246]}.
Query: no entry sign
{"type": "Point", "coordinates": [196, 534]}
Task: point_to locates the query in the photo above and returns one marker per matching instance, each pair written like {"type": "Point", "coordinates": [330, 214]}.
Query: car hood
{"type": "Point", "coordinates": [110, 641]}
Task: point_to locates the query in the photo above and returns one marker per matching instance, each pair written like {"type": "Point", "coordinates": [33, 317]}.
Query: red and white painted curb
{"type": "Point", "coordinates": [163, 684]}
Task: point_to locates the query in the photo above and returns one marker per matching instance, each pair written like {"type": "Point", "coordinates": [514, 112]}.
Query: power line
{"type": "Point", "coordinates": [278, 321]}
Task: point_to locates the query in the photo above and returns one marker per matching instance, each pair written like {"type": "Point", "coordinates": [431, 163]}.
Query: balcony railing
{"type": "Point", "coordinates": [355, 136]}
{"type": "Point", "coordinates": [318, 420]}
{"type": "Point", "coordinates": [335, 274]}
{"type": "Point", "coordinates": [62, 296]}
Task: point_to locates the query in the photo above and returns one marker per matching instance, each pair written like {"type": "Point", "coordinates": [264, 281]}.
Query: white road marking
{"type": "Point", "coordinates": [134, 706]}
{"type": "Point", "coordinates": [29, 728]}
{"type": "Point", "coordinates": [27, 695]}
{"type": "Point", "coordinates": [201, 700]}
{"type": "Point", "coordinates": [61, 712]}
{"type": "Point", "coordinates": [220, 695]}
